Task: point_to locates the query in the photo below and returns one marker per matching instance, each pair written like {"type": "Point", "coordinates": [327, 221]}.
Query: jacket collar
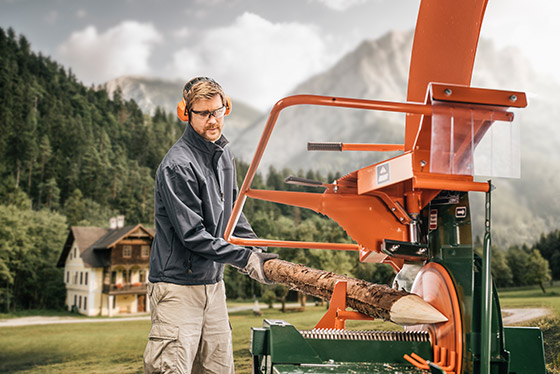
{"type": "Point", "coordinates": [191, 137]}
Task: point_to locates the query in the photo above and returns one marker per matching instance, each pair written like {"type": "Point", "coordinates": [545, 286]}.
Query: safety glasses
{"type": "Point", "coordinates": [206, 114]}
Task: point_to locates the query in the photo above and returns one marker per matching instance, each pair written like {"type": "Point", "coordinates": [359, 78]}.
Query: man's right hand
{"type": "Point", "coordinates": [255, 266]}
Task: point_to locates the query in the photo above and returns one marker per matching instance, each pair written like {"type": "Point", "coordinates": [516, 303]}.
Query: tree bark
{"type": "Point", "coordinates": [373, 300]}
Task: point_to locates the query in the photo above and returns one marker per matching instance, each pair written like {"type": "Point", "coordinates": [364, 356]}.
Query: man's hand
{"type": "Point", "coordinates": [254, 267]}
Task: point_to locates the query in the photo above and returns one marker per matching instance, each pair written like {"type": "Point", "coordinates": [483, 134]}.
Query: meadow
{"type": "Point", "coordinates": [117, 347]}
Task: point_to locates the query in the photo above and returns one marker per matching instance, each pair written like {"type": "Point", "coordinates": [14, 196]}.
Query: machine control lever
{"type": "Point", "coordinates": [305, 182]}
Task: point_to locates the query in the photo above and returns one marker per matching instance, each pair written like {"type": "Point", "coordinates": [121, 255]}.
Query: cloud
{"type": "Point", "coordinates": [51, 17]}
{"type": "Point", "coordinates": [80, 13]}
{"type": "Point", "coordinates": [255, 60]}
{"type": "Point", "coordinates": [182, 33]}
{"type": "Point", "coordinates": [340, 5]}
{"type": "Point", "coordinates": [122, 50]}
{"type": "Point", "coordinates": [531, 26]}
{"type": "Point", "coordinates": [211, 3]}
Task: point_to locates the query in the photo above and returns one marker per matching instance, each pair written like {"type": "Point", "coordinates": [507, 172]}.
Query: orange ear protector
{"type": "Point", "coordinates": [182, 112]}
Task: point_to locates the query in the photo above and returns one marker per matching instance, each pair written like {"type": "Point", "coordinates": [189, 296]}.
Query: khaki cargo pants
{"type": "Point", "coordinates": [190, 330]}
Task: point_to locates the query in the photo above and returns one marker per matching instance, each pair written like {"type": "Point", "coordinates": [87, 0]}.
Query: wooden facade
{"type": "Point", "coordinates": [106, 270]}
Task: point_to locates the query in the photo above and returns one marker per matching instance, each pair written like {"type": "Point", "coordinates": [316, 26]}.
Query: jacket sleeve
{"type": "Point", "coordinates": [177, 188]}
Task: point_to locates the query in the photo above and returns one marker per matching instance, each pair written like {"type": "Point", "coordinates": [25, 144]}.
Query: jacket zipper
{"type": "Point", "coordinates": [217, 175]}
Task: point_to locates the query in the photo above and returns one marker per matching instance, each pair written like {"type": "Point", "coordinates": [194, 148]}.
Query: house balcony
{"type": "Point", "coordinates": [124, 289]}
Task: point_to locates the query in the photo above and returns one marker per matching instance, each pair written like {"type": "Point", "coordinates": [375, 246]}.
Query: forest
{"type": "Point", "coordinates": [70, 155]}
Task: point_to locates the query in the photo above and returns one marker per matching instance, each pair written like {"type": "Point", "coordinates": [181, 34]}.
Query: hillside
{"type": "Point", "coordinates": [72, 149]}
{"type": "Point", "coordinates": [375, 70]}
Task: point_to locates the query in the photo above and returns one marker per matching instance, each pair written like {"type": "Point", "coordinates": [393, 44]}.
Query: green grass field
{"type": "Point", "coordinates": [533, 297]}
{"type": "Point", "coordinates": [117, 347]}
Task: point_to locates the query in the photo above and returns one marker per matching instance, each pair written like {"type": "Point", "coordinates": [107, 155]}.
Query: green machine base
{"type": "Point", "coordinates": [278, 347]}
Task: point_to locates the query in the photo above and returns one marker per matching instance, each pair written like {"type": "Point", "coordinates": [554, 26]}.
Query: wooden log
{"type": "Point", "coordinates": [374, 300]}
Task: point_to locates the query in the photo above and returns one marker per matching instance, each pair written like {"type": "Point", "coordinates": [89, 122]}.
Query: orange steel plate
{"type": "Point", "coordinates": [470, 95]}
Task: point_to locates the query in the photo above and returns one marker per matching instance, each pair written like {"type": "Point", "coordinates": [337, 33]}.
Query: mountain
{"type": "Point", "coordinates": [378, 69]}
{"type": "Point", "coordinates": [524, 208]}
{"type": "Point", "coordinates": [374, 70]}
{"type": "Point", "coordinates": [150, 93]}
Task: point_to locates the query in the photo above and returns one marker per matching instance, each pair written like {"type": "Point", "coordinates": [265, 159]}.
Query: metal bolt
{"type": "Point", "coordinates": [447, 92]}
{"type": "Point", "coordinates": [394, 247]}
{"type": "Point", "coordinates": [423, 163]}
{"type": "Point", "coordinates": [401, 218]}
{"type": "Point", "coordinates": [513, 98]}
{"type": "Point", "coordinates": [393, 209]}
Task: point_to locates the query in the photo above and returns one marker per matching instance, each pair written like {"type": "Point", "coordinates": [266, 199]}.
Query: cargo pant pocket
{"type": "Point", "coordinates": [161, 354]}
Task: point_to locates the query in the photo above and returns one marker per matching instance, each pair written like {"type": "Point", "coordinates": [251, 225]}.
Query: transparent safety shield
{"type": "Point", "coordinates": [467, 140]}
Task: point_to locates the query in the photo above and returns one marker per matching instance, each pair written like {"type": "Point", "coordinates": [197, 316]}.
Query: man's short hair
{"type": "Point", "coordinates": [204, 89]}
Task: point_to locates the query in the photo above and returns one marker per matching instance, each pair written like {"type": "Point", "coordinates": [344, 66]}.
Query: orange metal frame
{"type": "Point", "coordinates": [359, 204]}
{"type": "Point", "coordinates": [368, 211]}
{"type": "Point", "coordinates": [336, 316]}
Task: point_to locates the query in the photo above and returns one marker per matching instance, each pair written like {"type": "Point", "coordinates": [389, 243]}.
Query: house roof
{"type": "Point", "coordinates": [92, 240]}
{"type": "Point", "coordinates": [112, 237]}
{"type": "Point", "coordinates": [86, 236]}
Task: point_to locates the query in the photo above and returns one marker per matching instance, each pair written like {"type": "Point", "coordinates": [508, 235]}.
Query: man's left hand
{"type": "Point", "coordinates": [255, 266]}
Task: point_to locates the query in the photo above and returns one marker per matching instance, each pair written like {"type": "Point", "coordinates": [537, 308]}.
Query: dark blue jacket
{"type": "Point", "coordinates": [194, 195]}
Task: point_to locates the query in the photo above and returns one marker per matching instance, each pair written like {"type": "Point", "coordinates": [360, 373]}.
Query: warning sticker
{"type": "Point", "coordinates": [383, 173]}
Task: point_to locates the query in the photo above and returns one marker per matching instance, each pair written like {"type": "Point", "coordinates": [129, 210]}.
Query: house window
{"type": "Point", "coordinates": [80, 303]}
{"type": "Point", "coordinates": [85, 302]}
{"type": "Point", "coordinates": [141, 276]}
{"type": "Point", "coordinates": [67, 277]}
{"type": "Point", "coordinates": [81, 277]}
{"type": "Point", "coordinates": [75, 299]}
{"type": "Point", "coordinates": [74, 251]}
{"type": "Point", "coordinates": [113, 277]}
{"type": "Point", "coordinates": [127, 251]}
{"type": "Point", "coordinates": [85, 282]}
{"type": "Point", "coordinates": [145, 250]}
{"type": "Point", "coordinates": [124, 276]}
{"type": "Point", "coordinates": [75, 278]}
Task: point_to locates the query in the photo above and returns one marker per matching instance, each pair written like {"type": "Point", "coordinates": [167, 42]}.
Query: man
{"type": "Point", "coordinates": [194, 196]}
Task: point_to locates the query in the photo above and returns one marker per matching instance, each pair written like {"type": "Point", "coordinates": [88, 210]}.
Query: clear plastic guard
{"type": "Point", "coordinates": [467, 140]}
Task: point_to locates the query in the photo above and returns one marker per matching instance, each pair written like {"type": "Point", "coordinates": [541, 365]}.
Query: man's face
{"type": "Point", "coordinates": [207, 126]}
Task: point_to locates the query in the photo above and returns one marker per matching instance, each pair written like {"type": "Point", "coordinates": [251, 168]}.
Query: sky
{"type": "Point", "coordinates": [257, 49]}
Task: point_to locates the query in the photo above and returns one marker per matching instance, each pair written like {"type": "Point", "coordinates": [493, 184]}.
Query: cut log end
{"type": "Point", "coordinates": [413, 310]}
